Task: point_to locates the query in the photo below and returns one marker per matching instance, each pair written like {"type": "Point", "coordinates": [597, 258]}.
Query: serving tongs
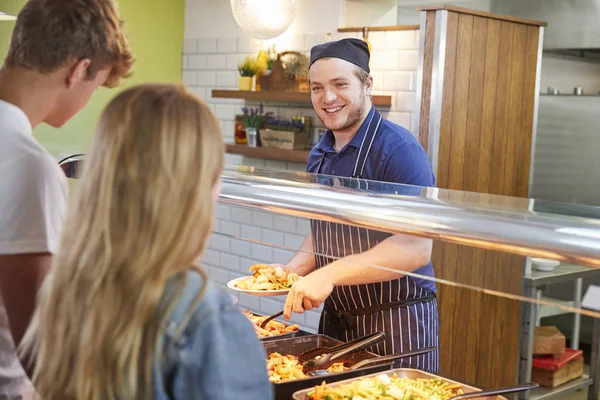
{"type": "Point", "coordinates": [378, 360]}
{"type": "Point", "coordinates": [269, 319]}
{"type": "Point", "coordinates": [496, 392]}
{"type": "Point", "coordinates": [324, 358]}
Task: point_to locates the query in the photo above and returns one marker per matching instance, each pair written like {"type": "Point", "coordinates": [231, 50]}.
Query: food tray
{"type": "Point", "coordinates": [402, 373]}
{"type": "Point", "coordinates": [284, 335]}
{"type": "Point", "coordinates": [295, 346]}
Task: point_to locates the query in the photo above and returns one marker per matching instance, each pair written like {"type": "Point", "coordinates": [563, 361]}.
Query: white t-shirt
{"type": "Point", "coordinates": [33, 204]}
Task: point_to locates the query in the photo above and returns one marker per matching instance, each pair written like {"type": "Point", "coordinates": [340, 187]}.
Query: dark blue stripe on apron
{"type": "Point", "coordinates": [407, 327]}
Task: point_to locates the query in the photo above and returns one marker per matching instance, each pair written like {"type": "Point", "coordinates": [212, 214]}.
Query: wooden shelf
{"type": "Point", "coordinates": [296, 97]}
{"type": "Point", "coordinates": [268, 153]}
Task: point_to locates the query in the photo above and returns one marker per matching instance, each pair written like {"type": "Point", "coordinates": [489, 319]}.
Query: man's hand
{"type": "Point", "coordinates": [307, 293]}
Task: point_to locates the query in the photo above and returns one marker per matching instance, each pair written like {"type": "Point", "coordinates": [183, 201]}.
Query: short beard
{"type": "Point", "coordinates": [354, 118]}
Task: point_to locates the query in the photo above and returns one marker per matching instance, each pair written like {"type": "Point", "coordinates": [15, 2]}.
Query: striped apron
{"type": "Point", "coordinates": [407, 313]}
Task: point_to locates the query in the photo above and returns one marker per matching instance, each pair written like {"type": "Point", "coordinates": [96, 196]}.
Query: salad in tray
{"type": "Point", "coordinates": [384, 387]}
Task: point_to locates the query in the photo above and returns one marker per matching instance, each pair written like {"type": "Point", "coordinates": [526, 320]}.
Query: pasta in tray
{"type": "Point", "coordinates": [384, 387]}
{"type": "Point", "coordinates": [284, 368]}
{"type": "Point", "coordinates": [265, 277]}
{"type": "Point", "coordinates": [273, 328]}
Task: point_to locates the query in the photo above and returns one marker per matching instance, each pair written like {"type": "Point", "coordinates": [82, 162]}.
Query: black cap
{"type": "Point", "coordinates": [354, 51]}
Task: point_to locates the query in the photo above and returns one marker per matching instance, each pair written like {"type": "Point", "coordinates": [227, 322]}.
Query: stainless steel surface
{"type": "Point", "coordinates": [437, 87]}
{"type": "Point", "coordinates": [401, 373]}
{"type": "Point", "coordinates": [416, 119]}
{"type": "Point", "coordinates": [393, 357]}
{"type": "Point", "coordinates": [493, 392]}
{"type": "Point", "coordinates": [572, 24]}
{"type": "Point", "coordinates": [577, 91]}
{"type": "Point", "coordinates": [562, 273]}
{"type": "Point", "coordinates": [505, 226]}
{"type": "Point", "coordinates": [576, 316]}
{"type": "Point", "coordinates": [536, 105]}
{"type": "Point", "coordinates": [549, 393]}
{"type": "Point", "coordinates": [566, 162]}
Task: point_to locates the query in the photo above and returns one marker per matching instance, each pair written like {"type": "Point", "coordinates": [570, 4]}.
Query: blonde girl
{"type": "Point", "coordinates": [124, 313]}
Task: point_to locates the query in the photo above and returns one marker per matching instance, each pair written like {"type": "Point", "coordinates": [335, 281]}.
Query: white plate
{"type": "Point", "coordinates": [264, 293]}
{"type": "Point", "coordinates": [544, 264]}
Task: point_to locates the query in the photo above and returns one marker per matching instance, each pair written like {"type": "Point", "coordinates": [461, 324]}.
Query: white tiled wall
{"type": "Point", "coordinates": [242, 236]}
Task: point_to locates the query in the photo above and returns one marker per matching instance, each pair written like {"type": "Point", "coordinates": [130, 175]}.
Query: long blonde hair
{"type": "Point", "coordinates": [140, 219]}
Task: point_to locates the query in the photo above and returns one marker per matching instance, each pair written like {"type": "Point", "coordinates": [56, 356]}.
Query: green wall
{"type": "Point", "coordinates": [155, 30]}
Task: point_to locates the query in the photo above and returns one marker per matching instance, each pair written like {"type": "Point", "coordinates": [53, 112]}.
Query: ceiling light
{"type": "Point", "coordinates": [264, 19]}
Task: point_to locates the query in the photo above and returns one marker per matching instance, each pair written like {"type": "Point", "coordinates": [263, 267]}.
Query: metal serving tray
{"type": "Point", "coordinates": [402, 373]}
{"type": "Point", "coordinates": [295, 346]}
{"type": "Point", "coordinates": [284, 335]}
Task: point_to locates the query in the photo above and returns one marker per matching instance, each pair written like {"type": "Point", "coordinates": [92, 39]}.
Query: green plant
{"type": "Point", "coordinates": [248, 67]}
{"type": "Point", "coordinates": [270, 64]}
{"type": "Point", "coordinates": [254, 117]}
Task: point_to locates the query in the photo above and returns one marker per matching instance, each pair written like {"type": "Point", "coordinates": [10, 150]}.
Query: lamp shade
{"type": "Point", "coordinates": [6, 17]}
{"type": "Point", "coordinates": [264, 19]}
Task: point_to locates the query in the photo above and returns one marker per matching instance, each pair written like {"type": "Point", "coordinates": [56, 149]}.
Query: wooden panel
{"type": "Point", "coordinates": [381, 28]}
{"type": "Point", "coordinates": [296, 97]}
{"type": "Point", "coordinates": [484, 14]}
{"type": "Point", "coordinates": [268, 153]}
{"type": "Point", "coordinates": [447, 101]}
{"type": "Point", "coordinates": [427, 80]}
{"type": "Point", "coordinates": [461, 97]}
{"type": "Point", "coordinates": [488, 109]}
{"type": "Point", "coordinates": [475, 104]}
{"type": "Point", "coordinates": [522, 183]}
{"type": "Point", "coordinates": [515, 109]}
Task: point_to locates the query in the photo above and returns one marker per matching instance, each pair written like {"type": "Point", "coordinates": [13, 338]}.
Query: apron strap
{"type": "Point", "coordinates": [365, 146]}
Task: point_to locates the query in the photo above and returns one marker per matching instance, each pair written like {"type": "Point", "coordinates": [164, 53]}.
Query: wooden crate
{"type": "Point", "coordinates": [548, 341]}
{"type": "Point", "coordinates": [283, 139]}
{"type": "Point", "coordinates": [548, 372]}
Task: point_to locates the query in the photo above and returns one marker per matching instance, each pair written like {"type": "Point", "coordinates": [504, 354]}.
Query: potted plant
{"type": "Point", "coordinates": [247, 70]}
{"type": "Point", "coordinates": [253, 120]}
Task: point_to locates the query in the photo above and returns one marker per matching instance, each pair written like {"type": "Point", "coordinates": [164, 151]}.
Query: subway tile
{"type": "Point", "coordinates": [417, 44]}
{"type": "Point", "coordinates": [188, 78]}
{"type": "Point", "coordinates": [400, 118]}
{"type": "Point", "coordinates": [386, 60]}
{"type": "Point", "coordinates": [223, 211]}
{"type": "Point", "coordinates": [408, 60]}
{"type": "Point", "coordinates": [248, 44]}
{"type": "Point", "coordinates": [297, 319]}
{"type": "Point", "coordinates": [207, 45]}
{"type": "Point", "coordinates": [296, 166]}
{"type": "Point", "coordinates": [377, 80]}
{"type": "Point", "coordinates": [302, 226]}
{"type": "Point", "coordinates": [219, 242]}
{"type": "Point", "coordinates": [270, 306]}
{"type": "Point", "coordinates": [397, 80]}
{"type": "Point", "coordinates": [190, 46]}
{"type": "Point", "coordinates": [184, 62]}
{"type": "Point", "coordinates": [311, 319]}
{"type": "Point", "coordinates": [272, 237]}
{"type": "Point", "coordinates": [282, 256]}
{"type": "Point", "coordinates": [406, 101]}
{"type": "Point", "coordinates": [292, 241]}
{"type": "Point", "coordinates": [284, 223]}
{"type": "Point", "coordinates": [403, 40]}
{"type": "Point", "coordinates": [413, 81]}
{"type": "Point", "coordinates": [312, 40]}
{"type": "Point", "coordinates": [250, 302]}
{"type": "Point", "coordinates": [289, 112]}
{"type": "Point", "coordinates": [229, 129]}
{"type": "Point", "coordinates": [227, 45]}
{"type": "Point", "coordinates": [377, 39]}
{"type": "Point", "coordinates": [262, 219]}
{"type": "Point", "coordinates": [216, 61]}
{"type": "Point", "coordinates": [225, 111]}
{"type": "Point", "coordinates": [211, 257]}
{"type": "Point", "coordinates": [254, 162]}
{"type": "Point", "coordinates": [198, 91]}
{"type": "Point", "coordinates": [234, 59]}
{"type": "Point", "coordinates": [250, 232]}
{"type": "Point", "coordinates": [241, 215]}
{"type": "Point", "coordinates": [233, 159]}
{"type": "Point", "coordinates": [206, 78]}
{"type": "Point", "coordinates": [262, 253]}
{"type": "Point", "coordinates": [241, 247]}
{"type": "Point", "coordinates": [197, 61]}
{"type": "Point", "coordinates": [230, 262]}
{"type": "Point", "coordinates": [275, 165]}
{"type": "Point", "coordinates": [346, 35]}
{"type": "Point", "coordinates": [219, 275]}
{"type": "Point", "coordinates": [227, 79]}
{"type": "Point", "coordinates": [230, 228]}
{"type": "Point", "coordinates": [246, 263]}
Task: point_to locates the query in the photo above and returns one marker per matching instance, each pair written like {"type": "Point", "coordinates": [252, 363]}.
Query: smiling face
{"type": "Point", "coordinates": [340, 98]}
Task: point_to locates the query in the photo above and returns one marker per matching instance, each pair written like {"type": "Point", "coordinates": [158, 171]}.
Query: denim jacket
{"type": "Point", "coordinates": [217, 356]}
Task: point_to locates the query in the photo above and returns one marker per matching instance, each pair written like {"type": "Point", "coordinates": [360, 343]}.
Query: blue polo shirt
{"type": "Point", "coordinates": [396, 156]}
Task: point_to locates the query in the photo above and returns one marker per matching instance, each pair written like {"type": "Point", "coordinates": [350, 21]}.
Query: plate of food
{"type": "Point", "coordinates": [265, 281]}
